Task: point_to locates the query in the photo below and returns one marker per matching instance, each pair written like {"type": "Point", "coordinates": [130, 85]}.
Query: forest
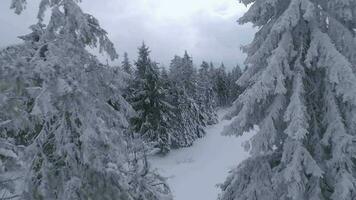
{"type": "Point", "coordinates": [281, 126]}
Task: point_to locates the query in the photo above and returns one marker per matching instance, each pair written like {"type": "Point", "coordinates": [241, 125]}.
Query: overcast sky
{"type": "Point", "coordinates": [207, 29]}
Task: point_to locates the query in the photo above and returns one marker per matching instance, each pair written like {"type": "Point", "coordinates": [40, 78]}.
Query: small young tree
{"type": "Point", "coordinates": [126, 65]}
{"type": "Point", "coordinates": [189, 118]}
{"type": "Point", "coordinates": [234, 88]}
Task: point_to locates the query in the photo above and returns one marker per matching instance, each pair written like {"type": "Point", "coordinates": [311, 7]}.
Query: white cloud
{"type": "Point", "coordinates": [206, 28]}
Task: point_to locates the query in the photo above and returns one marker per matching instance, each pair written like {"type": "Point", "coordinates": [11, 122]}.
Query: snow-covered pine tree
{"type": "Point", "coordinates": [179, 130]}
{"type": "Point", "coordinates": [301, 91]}
{"type": "Point", "coordinates": [129, 78]}
{"type": "Point", "coordinates": [165, 79]}
{"type": "Point", "coordinates": [175, 69]}
{"type": "Point", "coordinates": [188, 115]}
{"type": "Point", "coordinates": [18, 89]}
{"type": "Point", "coordinates": [126, 65]}
{"type": "Point", "coordinates": [80, 151]}
{"type": "Point", "coordinates": [234, 89]}
{"type": "Point", "coordinates": [205, 94]}
{"type": "Point", "coordinates": [189, 75]}
{"type": "Point", "coordinates": [188, 122]}
{"type": "Point", "coordinates": [183, 73]}
{"type": "Point", "coordinates": [152, 121]}
{"type": "Point", "coordinates": [221, 86]}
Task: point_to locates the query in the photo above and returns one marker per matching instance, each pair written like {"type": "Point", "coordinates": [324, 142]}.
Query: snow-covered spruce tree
{"type": "Point", "coordinates": [152, 121]}
{"type": "Point", "coordinates": [301, 91]}
{"type": "Point", "coordinates": [221, 86]}
{"type": "Point", "coordinates": [189, 118]}
{"type": "Point", "coordinates": [175, 70]}
{"type": "Point", "coordinates": [18, 90]}
{"type": "Point", "coordinates": [188, 122]}
{"type": "Point", "coordinates": [233, 87]}
{"type": "Point", "coordinates": [126, 65]}
{"type": "Point", "coordinates": [205, 95]}
{"type": "Point", "coordinates": [177, 139]}
{"type": "Point", "coordinates": [183, 73]}
{"type": "Point", "coordinates": [166, 83]}
{"type": "Point", "coordinates": [129, 78]}
{"type": "Point", "coordinates": [81, 151]}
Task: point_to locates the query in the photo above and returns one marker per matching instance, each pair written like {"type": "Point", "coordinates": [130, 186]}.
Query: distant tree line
{"type": "Point", "coordinates": [173, 106]}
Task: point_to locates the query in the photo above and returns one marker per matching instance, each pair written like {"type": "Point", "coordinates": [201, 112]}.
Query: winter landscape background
{"type": "Point", "coordinates": [167, 99]}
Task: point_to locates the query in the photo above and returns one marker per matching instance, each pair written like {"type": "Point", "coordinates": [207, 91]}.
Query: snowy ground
{"type": "Point", "coordinates": [194, 172]}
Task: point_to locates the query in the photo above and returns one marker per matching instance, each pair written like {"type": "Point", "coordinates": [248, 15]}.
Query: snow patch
{"type": "Point", "coordinates": [193, 173]}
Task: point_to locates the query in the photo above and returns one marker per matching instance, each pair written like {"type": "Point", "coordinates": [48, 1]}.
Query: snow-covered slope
{"type": "Point", "coordinates": [194, 172]}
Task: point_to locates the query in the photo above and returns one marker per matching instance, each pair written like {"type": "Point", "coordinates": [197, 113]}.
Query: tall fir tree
{"type": "Point", "coordinates": [175, 69]}
{"type": "Point", "coordinates": [233, 87]}
{"type": "Point", "coordinates": [189, 75]}
{"type": "Point", "coordinates": [300, 90]}
{"type": "Point", "coordinates": [188, 121]}
{"type": "Point", "coordinates": [189, 118]}
{"type": "Point", "coordinates": [221, 86]}
{"type": "Point", "coordinates": [165, 79]}
{"type": "Point", "coordinates": [149, 101]}
{"type": "Point", "coordinates": [183, 73]}
{"type": "Point", "coordinates": [79, 150]}
{"type": "Point", "coordinates": [205, 94]}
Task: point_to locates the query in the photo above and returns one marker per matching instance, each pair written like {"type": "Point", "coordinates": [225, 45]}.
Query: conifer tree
{"type": "Point", "coordinates": [184, 74]}
{"type": "Point", "coordinates": [17, 126]}
{"type": "Point", "coordinates": [188, 121]}
{"type": "Point", "coordinates": [189, 75]}
{"type": "Point", "coordinates": [221, 86]}
{"type": "Point", "coordinates": [165, 79]}
{"type": "Point", "coordinates": [79, 151]}
{"type": "Point", "coordinates": [189, 117]}
{"type": "Point", "coordinates": [233, 87]}
{"type": "Point", "coordinates": [129, 79]}
{"type": "Point", "coordinates": [175, 69]}
{"type": "Point", "coordinates": [205, 94]}
{"type": "Point", "coordinates": [300, 90]}
{"type": "Point", "coordinates": [126, 65]}
{"type": "Point", "coordinates": [149, 101]}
